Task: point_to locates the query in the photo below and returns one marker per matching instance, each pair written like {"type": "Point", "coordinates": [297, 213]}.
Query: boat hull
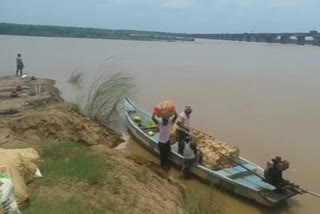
{"type": "Point", "coordinates": [205, 174]}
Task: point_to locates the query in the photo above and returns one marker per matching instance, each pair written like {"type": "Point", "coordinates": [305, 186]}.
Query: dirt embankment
{"type": "Point", "coordinates": [37, 114]}
{"type": "Point", "coordinates": [56, 122]}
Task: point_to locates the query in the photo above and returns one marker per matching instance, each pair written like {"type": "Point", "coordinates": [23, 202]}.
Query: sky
{"type": "Point", "coordinates": [182, 16]}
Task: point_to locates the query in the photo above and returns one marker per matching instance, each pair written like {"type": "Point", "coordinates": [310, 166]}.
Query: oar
{"type": "Point", "coordinates": [303, 190]}
{"type": "Point", "coordinates": [239, 164]}
{"type": "Point", "coordinates": [288, 183]}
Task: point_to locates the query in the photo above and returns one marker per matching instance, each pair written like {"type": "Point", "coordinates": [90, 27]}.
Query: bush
{"type": "Point", "coordinates": [106, 96]}
{"type": "Point", "coordinates": [75, 77]}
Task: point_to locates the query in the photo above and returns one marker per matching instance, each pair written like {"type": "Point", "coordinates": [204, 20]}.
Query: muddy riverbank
{"type": "Point", "coordinates": [37, 117]}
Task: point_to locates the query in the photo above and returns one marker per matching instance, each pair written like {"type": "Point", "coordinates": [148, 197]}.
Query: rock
{"type": "Point", "coordinates": [19, 88]}
{"type": "Point", "coordinates": [32, 93]}
{"type": "Point", "coordinates": [8, 111]}
{"type": "Point", "coordinates": [14, 94]}
{"type": "Point", "coordinates": [122, 146]}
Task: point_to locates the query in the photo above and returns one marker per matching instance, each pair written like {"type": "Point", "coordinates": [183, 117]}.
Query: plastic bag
{"type": "Point", "coordinates": [8, 205]}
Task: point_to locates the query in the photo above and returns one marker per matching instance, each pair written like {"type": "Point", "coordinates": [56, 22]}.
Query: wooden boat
{"type": "Point", "coordinates": [237, 179]}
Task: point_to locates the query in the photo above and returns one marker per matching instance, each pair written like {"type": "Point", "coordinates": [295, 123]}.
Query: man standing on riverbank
{"type": "Point", "coordinates": [164, 136]}
{"type": "Point", "coordinates": [183, 127]}
{"type": "Point", "coordinates": [20, 65]}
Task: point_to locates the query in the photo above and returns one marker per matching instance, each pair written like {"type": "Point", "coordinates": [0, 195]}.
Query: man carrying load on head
{"type": "Point", "coordinates": [164, 126]}
{"type": "Point", "coordinates": [183, 127]}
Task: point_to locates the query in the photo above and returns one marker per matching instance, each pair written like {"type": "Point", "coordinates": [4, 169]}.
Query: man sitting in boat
{"type": "Point", "coordinates": [164, 126]}
{"type": "Point", "coordinates": [273, 172]}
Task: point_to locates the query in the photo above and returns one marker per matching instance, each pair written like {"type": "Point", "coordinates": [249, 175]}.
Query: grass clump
{"type": "Point", "coordinates": [141, 174]}
{"type": "Point", "coordinates": [106, 96]}
{"type": "Point", "coordinates": [74, 161]}
{"type": "Point", "coordinates": [75, 77]}
{"type": "Point", "coordinates": [204, 202]}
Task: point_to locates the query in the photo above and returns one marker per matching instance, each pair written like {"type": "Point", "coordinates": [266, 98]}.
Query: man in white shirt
{"type": "Point", "coordinates": [189, 154]}
{"type": "Point", "coordinates": [183, 127]}
{"type": "Point", "coordinates": [164, 136]}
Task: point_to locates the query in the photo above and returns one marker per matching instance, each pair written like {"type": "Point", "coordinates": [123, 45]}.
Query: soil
{"type": "Point", "coordinates": [56, 122]}
{"type": "Point", "coordinates": [38, 114]}
{"type": "Point", "coordinates": [30, 94]}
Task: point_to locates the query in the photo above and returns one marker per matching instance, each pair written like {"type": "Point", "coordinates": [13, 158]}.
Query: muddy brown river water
{"type": "Point", "coordinates": [264, 98]}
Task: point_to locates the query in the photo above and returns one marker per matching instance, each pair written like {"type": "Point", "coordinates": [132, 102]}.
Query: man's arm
{"type": "Point", "coordinates": [179, 123]}
{"type": "Point", "coordinates": [175, 117]}
{"type": "Point", "coordinates": [154, 118]}
{"type": "Point", "coordinates": [193, 146]}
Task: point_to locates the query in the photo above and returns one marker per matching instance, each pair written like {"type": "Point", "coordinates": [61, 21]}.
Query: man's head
{"type": "Point", "coordinates": [165, 121]}
{"type": "Point", "coordinates": [188, 110]}
{"type": "Point", "coordinates": [276, 160]}
{"type": "Point", "coordinates": [187, 137]}
{"type": "Point", "coordinates": [19, 55]}
{"type": "Point", "coordinates": [269, 164]}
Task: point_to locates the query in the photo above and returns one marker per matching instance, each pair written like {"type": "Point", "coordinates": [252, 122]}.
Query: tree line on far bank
{"type": "Point", "coordinates": [79, 32]}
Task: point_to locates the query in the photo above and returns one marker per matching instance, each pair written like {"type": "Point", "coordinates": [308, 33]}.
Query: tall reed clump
{"type": "Point", "coordinates": [106, 96]}
{"type": "Point", "coordinates": [75, 76]}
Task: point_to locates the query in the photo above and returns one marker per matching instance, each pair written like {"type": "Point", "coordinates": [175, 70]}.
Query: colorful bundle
{"type": "Point", "coordinates": [164, 109]}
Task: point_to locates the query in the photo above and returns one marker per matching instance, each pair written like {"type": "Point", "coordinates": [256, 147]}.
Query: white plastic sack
{"type": "Point", "coordinates": [8, 204]}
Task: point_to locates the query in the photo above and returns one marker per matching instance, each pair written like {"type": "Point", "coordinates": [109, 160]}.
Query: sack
{"type": "Point", "coordinates": [31, 160]}
{"type": "Point", "coordinates": [164, 109]}
{"type": "Point", "coordinates": [8, 204]}
{"type": "Point", "coordinates": [173, 134]}
{"type": "Point", "coordinates": [20, 165]}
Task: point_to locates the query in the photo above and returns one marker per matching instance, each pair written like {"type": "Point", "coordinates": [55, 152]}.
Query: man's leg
{"type": "Point", "coordinates": [162, 154]}
{"type": "Point", "coordinates": [167, 152]}
{"type": "Point", "coordinates": [198, 157]}
{"type": "Point", "coordinates": [187, 165]}
{"type": "Point", "coordinates": [180, 145]}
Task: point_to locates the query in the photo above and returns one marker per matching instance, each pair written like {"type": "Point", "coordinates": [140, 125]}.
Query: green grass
{"type": "Point", "coordinates": [204, 201]}
{"type": "Point", "coordinates": [73, 161]}
{"type": "Point", "coordinates": [74, 205]}
{"type": "Point", "coordinates": [66, 167]}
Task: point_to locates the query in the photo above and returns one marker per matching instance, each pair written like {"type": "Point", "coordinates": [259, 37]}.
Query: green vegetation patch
{"type": "Point", "coordinates": [72, 205]}
{"type": "Point", "coordinates": [141, 174]}
{"type": "Point", "coordinates": [203, 201]}
{"type": "Point", "coordinates": [74, 161]}
{"type": "Point", "coordinates": [78, 32]}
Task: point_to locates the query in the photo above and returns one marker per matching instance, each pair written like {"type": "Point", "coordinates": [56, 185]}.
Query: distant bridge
{"type": "Point", "coordinates": [313, 37]}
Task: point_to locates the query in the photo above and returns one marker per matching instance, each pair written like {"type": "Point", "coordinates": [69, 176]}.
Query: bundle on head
{"type": "Point", "coordinates": [164, 109]}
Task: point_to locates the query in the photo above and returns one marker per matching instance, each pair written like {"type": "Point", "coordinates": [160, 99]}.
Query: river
{"type": "Point", "coordinates": [263, 98]}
